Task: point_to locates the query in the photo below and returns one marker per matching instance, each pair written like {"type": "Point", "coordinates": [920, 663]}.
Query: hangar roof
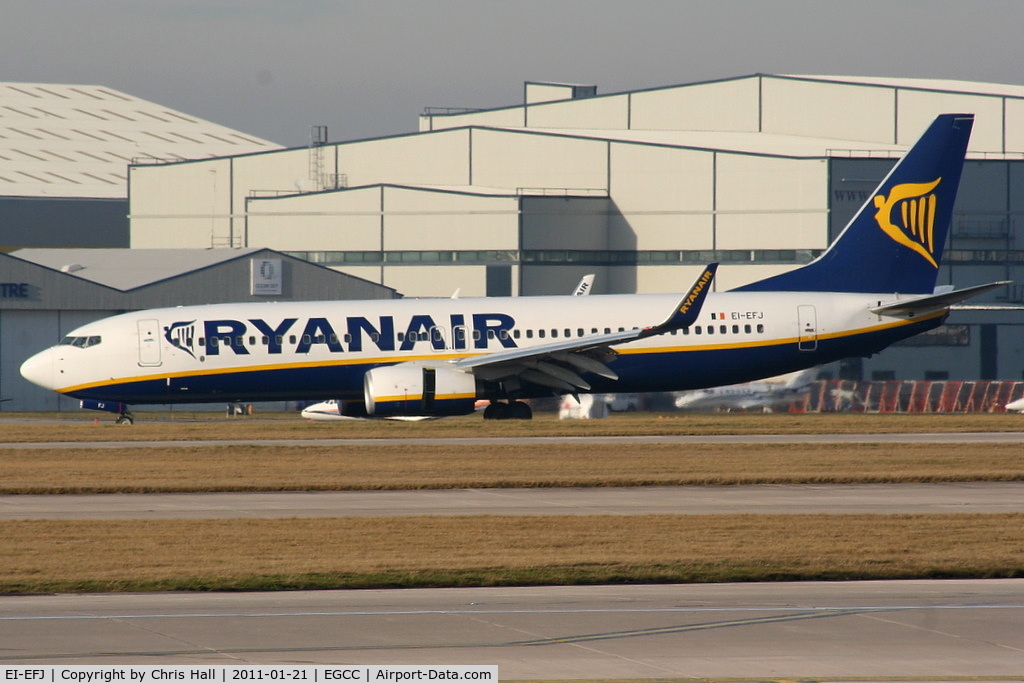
{"type": "Point", "coordinates": [938, 84]}
{"type": "Point", "coordinates": [77, 140]}
{"type": "Point", "coordinates": [127, 269]}
{"type": "Point", "coordinates": [739, 142]}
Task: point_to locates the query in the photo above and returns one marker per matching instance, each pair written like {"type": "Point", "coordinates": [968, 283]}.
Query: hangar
{"type": "Point", "coordinates": [65, 150]}
{"type": "Point", "coordinates": [64, 155]}
{"type": "Point", "coordinates": [758, 172]}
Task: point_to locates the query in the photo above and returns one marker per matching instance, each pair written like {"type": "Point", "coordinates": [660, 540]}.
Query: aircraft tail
{"type": "Point", "coordinates": [802, 379]}
{"type": "Point", "coordinates": [894, 243]}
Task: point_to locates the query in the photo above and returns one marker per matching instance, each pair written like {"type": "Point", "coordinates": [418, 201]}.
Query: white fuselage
{"type": "Point", "coordinates": [311, 350]}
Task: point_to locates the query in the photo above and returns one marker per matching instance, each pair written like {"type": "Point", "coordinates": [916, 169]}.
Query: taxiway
{"type": "Point", "coordinates": [940, 498]}
{"type": "Point", "coordinates": [887, 630]}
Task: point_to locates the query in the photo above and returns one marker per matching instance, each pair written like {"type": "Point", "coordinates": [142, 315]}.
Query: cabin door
{"type": "Point", "coordinates": [149, 343]}
{"type": "Point", "coordinates": [807, 319]}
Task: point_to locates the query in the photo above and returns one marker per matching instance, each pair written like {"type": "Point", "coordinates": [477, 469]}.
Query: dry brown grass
{"type": "Point", "coordinates": [79, 426]}
{"type": "Point", "coordinates": [413, 466]}
{"type": "Point", "coordinates": [444, 551]}
{"type": "Point", "coordinates": [418, 551]}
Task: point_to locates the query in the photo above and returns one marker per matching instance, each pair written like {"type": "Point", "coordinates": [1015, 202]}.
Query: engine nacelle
{"type": "Point", "coordinates": [407, 390]}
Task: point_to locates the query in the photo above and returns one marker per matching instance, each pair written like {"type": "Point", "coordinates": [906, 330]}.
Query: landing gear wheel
{"type": "Point", "coordinates": [125, 418]}
{"type": "Point", "coordinates": [513, 410]}
{"type": "Point", "coordinates": [519, 411]}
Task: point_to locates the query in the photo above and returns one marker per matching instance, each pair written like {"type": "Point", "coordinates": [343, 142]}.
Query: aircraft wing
{"type": "Point", "coordinates": [935, 301]}
{"type": "Point", "coordinates": [558, 365]}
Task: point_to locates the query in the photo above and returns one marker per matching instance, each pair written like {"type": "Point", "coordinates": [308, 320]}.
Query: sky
{"type": "Point", "coordinates": [274, 68]}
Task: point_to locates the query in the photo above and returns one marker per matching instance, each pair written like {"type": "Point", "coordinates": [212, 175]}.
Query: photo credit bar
{"type": "Point", "coordinates": [242, 674]}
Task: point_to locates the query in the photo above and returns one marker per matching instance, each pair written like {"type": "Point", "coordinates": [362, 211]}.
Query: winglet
{"type": "Point", "coordinates": [583, 288]}
{"type": "Point", "coordinates": [686, 311]}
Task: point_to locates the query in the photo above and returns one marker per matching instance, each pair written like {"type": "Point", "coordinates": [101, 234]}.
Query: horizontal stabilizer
{"type": "Point", "coordinates": [935, 301]}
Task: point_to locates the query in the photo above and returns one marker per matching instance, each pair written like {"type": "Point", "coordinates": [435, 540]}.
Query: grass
{"type": "Point", "coordinates": [80, 426]}
{"type": "Point", "coordinates": [413, 466]}
{"type": "Point", "coordinates": [274, 554]}
{"type": "Point", "coordinates": [430, 551]}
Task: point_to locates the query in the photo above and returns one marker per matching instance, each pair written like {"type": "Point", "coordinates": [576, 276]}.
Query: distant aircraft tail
{"type": "Point", "coordinates": [895, 242]}
{"type": "Point", "coordinates": [802, 379]}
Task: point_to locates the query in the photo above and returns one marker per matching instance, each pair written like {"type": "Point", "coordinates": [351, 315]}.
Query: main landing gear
{"type": "Point", "coordinates": [125, 418]}
{"type": "Point", "coordinates": [513, 410]}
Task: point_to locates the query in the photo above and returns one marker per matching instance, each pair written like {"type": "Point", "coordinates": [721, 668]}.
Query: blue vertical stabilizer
{"type": "Point", "coordinates": [895, 242]}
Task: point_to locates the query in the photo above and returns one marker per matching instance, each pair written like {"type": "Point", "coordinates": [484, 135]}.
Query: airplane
{"type": "Point", "coordinates": [325, 411]}
{"type": "Point", "coordinates": [333, 410]}
{"type": "Point", "coordinates": [765, 395]}
{"type": "Point", "coordinates": [1015, 406]}
{"type": "Point", "coordinates": [873, 286]}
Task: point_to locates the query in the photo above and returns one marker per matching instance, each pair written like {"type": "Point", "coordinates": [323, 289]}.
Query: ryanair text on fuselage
{"type": "Point", "coordinates": [351, 334]}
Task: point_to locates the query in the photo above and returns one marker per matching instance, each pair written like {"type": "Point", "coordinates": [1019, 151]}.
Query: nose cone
{"type": "Point", "coordinates": [39, 369]}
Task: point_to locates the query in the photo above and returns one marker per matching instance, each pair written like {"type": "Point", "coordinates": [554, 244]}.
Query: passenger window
{"type": "Point", "coordinates": [735, 329]}
{"type": "Point", "coordinates": [540, 333]}
{"type": "Point", "coordinates": [746, 328]}
{"type": "Point", "coordinates": [760, 329]}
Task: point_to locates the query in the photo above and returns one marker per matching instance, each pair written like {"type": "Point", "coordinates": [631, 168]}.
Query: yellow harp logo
{"type": "Point", "coordinates": [914, 205]}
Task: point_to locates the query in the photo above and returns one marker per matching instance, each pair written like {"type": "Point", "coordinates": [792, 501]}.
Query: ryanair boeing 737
{"type": "Point", "coordinates": [875, 285]}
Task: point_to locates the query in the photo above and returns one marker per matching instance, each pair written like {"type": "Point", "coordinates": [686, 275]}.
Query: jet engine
{"type": "Point", "coordinates": [399, 390]}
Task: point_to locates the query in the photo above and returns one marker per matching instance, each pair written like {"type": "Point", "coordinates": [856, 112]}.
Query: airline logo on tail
{"type": "Point", "coordinates": [914, 205]}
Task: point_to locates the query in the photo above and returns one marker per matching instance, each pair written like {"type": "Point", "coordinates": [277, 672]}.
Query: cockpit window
{"type": "Point", "coordinates": [82, 342]}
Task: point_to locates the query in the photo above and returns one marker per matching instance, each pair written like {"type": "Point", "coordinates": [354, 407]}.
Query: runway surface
{"type": "Point", "coordinates": [943, 498]}
{"type": "Point", "coordinates": [921, 630]}
{"type": "Point", "coordinates": [497, 441]}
